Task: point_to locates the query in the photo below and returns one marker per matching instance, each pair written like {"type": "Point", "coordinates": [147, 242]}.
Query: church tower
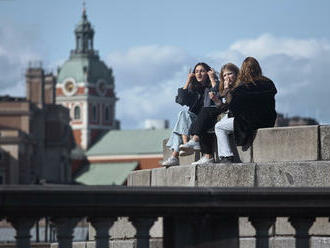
{"type": "Point", "coordinates": [85, 85]}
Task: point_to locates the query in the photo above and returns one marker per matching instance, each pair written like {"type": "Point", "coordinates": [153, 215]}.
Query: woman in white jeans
{"type": "Point", "coordinates": [251, 105]}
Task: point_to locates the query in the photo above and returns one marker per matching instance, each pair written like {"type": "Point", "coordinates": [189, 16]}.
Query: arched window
{"type": "Point", "coordinates": [94, 113]}
{"type": "Point", "coordinates": [107, 113]}
{"type": "Point", "coordinates": [77, 113]}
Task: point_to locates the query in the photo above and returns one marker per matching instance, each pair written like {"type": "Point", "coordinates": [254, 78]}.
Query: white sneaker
{"type": "Point", "coordinates": [190, 147]}
{"type": "Point", "coordinates": [204, 160]}
{"type": "Point", "coordinates": [171, 161]}
{"type": "Point", "coordinates": [183, 153]}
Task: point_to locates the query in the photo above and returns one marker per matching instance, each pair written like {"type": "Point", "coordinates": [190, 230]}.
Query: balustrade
{"type": "Point", "coordinates": [193, 217]}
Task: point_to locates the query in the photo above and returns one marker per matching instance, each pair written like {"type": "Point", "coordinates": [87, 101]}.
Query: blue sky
{"type": "Point", "coordinates": [150, 44]}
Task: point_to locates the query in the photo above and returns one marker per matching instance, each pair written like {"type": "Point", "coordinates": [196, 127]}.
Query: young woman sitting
{"type": "Point", "coordinates": [251, 106]}
{"type": "Point", "coordinates": [207, 117]}
{"type": "Point", "coordinates": [193, 94]}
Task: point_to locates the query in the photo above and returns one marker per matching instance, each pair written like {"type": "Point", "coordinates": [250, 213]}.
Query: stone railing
{"type": "Point", "coordinates": [193, 217]}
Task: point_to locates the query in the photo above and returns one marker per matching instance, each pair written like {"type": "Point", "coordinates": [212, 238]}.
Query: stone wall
{"type": "Point", "coordinates": [279, 157]}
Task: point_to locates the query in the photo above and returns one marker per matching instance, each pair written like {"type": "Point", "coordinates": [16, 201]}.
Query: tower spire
{"type": "Point", "coordinates": [84, 34]}
{"type": "Point", "coordinates": [84, 8]}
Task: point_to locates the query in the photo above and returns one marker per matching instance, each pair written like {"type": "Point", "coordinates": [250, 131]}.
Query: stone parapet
{"type": "Point", "coordinates": [280, 144]}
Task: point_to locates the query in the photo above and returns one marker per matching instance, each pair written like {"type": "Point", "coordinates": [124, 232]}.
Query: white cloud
{"type": "Point", "coordinates": [268, 45]}
{"type": "Point", "coordinates": [17, 49]}
{"type": "Point", "coordinates": [147, 77]}
{"type": "Point", "coordinates": [298, 67]}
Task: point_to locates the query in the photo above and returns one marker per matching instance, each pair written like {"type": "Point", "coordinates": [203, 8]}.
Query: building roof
{"type": "Point", "coordinates": [106, 173]}
{"type": "Point", "coordinates": [84, 68]}
{"type": "Point", "coordinates": [130, 142]}
{"type": "Point", "coordinates": [84, 64]}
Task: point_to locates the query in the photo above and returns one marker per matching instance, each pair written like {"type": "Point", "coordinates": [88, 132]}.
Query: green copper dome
{"type": "Point", "coordinates": [84, 64]}
{"type": "Point", "coordinates": [85, 69]}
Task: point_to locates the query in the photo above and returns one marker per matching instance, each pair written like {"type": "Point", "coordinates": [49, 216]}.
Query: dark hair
{"type": "Point", "coordinates": [230, 67]}
{"type": "Point", "coordinates": [250, 71]}
{"type": "Point", "coordinates": [195, 84]}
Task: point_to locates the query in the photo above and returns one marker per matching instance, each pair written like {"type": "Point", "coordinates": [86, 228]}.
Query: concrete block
{"type": "Point", "coordinates": [123, 243]}
{"type": "Point", "coordinates": [283, 226]}
{"type": "Point", "coordinates": [91, 244]}
{"type": "Point", "coordinates": [245, 227]}
{"type": "Point", "coordinates": [247, 242]}
{"type": "Point", "coordinates": [158, 177]}
{"type": "Point", "coordinates": [78, 244]}
{"type": "Point", "coordinates": [293, 174]}
{"type": "Point", "coordinates": [166, 151]}
{"type": "Point", "coordinates": [320, 242]}
{"type": "Point", "coordinates": [225, 175]}
{"type": "Point", "coordinates": [187, 160]}
{"type": "Point", "coordinates": [325, 142]}
{"type": "Point", "coordinates": [122, 229]}
{"type": "Point", "coordinates": [244, 156]}
{"type": "Point", "coordinates": [139, 178]}
{"type": "Point", "coordinates": [286, 144]}
{"type": "Point", "coordinates": [282, 242]}
{"type": "Point", "coordinates": [156, 231]}
{"type": "Point", "coordinates": [181, 175]}
{"type": "Point", "coordinates": [320, 227]}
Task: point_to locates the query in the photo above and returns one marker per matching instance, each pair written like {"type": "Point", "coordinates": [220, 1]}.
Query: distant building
{"type": "Point", "coordinates": [85, 86]}
{"type": "Point", "coordinates": [156, 124]}
{"type": "Point", "coordinates": [35, 136]}
{"type": "Point", "coordinates": [283, 121]}
{"type": "Point", "coordinates": [120, 151]}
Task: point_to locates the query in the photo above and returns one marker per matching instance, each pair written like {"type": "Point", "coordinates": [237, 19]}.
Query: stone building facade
{"type": "Point", "coordinates": [35, 136]}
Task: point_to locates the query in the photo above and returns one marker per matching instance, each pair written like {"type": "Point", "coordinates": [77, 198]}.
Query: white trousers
{"type": "Point", "coordinates": [222, 129]}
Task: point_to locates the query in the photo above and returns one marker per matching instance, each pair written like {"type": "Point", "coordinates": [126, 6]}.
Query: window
{"type": "Point", "coordinates": [77, 113]}
{"type": "Point", "coordinates": [107, 113]}
{"type": "Point", "coordinates": [94, 113]}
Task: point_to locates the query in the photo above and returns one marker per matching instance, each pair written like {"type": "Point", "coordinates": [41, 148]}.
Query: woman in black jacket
{"type": "Point", "coordinates": [193, 94]}
{"type": "Point", "coordinates": [207, 117]}
{"type": "Point", "coordinates": [251, 106]}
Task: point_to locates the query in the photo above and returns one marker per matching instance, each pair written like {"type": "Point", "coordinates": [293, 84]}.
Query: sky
{"type": "Point", "coordinates": [151, 44]}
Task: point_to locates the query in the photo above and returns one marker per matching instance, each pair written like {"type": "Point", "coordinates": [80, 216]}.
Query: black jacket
{"type": "Point", "coordinates": [195, 98]}
{"type": "Point", "coordinates": [253, 107]}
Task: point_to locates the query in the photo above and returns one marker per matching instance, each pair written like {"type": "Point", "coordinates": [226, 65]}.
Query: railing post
{"type": "Point", "coordinates": [142, 226]}
{"type": "Point", "coordinates": [302, 225]}
{"type": "Point", "coordinates": [262, 225]}
{"type": "Point", "coordinates": [102, 226]}
{"type": "Point", "coordinates": [64, 229]}
{"type": "Point", "coordinates": [22, 226]}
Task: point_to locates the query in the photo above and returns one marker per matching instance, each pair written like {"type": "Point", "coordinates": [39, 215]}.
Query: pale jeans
{"type": "Point", "coordinates": [222, 129]}
{"type": "Point", "coordinates": [181, 127]}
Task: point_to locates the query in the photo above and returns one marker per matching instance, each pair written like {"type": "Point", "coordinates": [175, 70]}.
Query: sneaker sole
{"type": "Point", "coordinates": [184, 153]}
{"type": "Point", "coordinates": [190, 150]}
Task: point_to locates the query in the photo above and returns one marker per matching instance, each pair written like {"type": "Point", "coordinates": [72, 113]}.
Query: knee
{"type": "Point", "coordinates": [181, 114]}
{"type": "Point", "coordinates": [218, 126]}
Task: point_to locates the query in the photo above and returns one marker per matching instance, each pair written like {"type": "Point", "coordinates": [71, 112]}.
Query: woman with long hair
{"type": "Point", "coordinates": [193, 94]}
{"type": "Point", "coordinates": [207, 117]}
{"type": "Point", "coordinates": [251, 106]}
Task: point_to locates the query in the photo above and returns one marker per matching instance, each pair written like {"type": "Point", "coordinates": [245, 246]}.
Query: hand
{"type": "Point", "coordinates": [212, 74]}
{"type": "Point", "coordinates": [227, 84]}
{"type": "Point", "coordinates": [214, 97]}
{"type": "Point", "coordinates": [190, 77]}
